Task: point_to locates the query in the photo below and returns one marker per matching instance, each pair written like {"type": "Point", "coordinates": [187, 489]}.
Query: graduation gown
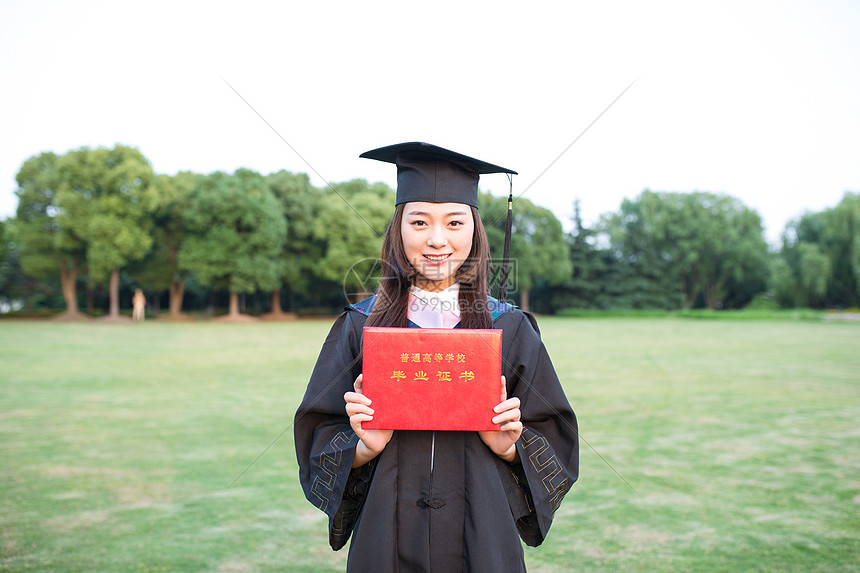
{"type": "Point", "coordinates": [437, 501]}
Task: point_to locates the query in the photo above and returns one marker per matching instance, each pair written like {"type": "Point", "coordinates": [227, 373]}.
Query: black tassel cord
{"type": "Point", "coordinates": [506, 252]}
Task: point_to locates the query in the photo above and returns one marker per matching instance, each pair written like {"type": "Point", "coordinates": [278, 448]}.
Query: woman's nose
{"type": "Point", "coordinates": [437, 238]}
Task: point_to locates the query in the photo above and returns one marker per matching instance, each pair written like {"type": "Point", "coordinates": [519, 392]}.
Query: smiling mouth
{"type": "Point", "coordinates": [437, 258]}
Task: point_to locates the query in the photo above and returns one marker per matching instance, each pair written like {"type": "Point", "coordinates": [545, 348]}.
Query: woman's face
{"type": "Point", "coordinates": [437, 239]}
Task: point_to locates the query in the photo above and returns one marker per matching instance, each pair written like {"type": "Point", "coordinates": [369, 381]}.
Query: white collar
{"type": "Point", "coordinates": [448, 299]}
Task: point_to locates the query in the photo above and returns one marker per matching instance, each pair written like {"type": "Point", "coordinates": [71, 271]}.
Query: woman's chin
{"type": "Point", "coordinates": [434, 283]}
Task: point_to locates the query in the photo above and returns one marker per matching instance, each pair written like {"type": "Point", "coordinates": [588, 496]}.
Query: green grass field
{"type": "Point", "coordinates": [711, 446]}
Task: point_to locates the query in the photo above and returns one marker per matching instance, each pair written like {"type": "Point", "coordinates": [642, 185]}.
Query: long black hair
{"type": "Point", "coordinates": [392, 296]}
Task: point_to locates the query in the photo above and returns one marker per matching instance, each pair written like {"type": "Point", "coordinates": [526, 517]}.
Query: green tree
{"type": "Point", "coordinates": [349, 229]}
{"type": "Point", "coordinates": [636, 275]}
{"type": "Point", "coordinates": [4, 240]}
{"type": "Point", "coordinates": [820, 258]}
{"type": "Point", "coordinates": [586, 262]}
{"type": "Point", "coordinates": [11, 277]}
{"type": "Point", "coordinates": [538, 249]}
{"type": "Point", "coordinates": [583, 287]}
{"type": "Point", "coordinates": [840, 243]}
{"type": "Point", "coordinates": [236, 234]}
{"type": "Point", "coordinates": [802, 276]}
{"type": "Point", "coordinates": [703, 240]}
{"type": "Point", "coordinates": [46, 240]}
{"type": "Point", "coordinates": [160, 270]}
{"type": "Point", "coordinates": [814, 270]}
{"type": "Point", "coordinates": [300, 205]}
{"type": "Point", "coordinates": [782, 283]}
{"type": "Point", "coordinates": [16, 287]}
{"type": "Point", "coordinates": [105, 200]}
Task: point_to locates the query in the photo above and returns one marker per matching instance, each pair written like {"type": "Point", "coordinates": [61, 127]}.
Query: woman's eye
{"type": "Point", "coordinates": [418, 223]}
{"type": "Point", "coordinates": [456, 223]}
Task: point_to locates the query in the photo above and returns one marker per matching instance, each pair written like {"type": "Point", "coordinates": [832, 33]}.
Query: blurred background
{"type": "Point", "coordinates": [740, 114]}
{"type": "Point", "coordinates": [687, 223]}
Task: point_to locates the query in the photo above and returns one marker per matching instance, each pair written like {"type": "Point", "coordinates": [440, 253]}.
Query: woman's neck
{"type": "Point", "coordinates": [434, 286]}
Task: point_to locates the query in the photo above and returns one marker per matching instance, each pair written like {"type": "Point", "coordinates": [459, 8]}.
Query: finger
{"type": "Point", "coordinates": [512, 427]}
{"type": "Point", "coordinates": [356, 421]}
{"type": "Point", "coordinates": [358, 406]}
{"type": "Point", "coordinates": [353, 408]}
{"type": "Point", "coordinates": [360, 418]}
{"type": "Point", "coordinates": [509, 416]}
{"type": "Point", "coordinates": [356, 398]}
{"type": "Point", "coordinates": [357, 384]}
{"type": "Point", "coordinates": [504, 389]}
{"type": "Point", "coordinates": [508, 405]}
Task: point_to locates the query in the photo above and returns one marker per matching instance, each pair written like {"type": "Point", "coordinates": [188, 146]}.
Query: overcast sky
{"type": "Point", "coordinates": [758, 100]}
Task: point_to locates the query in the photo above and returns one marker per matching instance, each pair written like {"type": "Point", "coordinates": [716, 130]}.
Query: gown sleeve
{"type": "Point", "coordinates": [549, 447]}
{"type": "Point", "coordinates": [325, 442]}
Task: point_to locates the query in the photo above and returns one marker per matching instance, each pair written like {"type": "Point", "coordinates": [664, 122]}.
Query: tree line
{"type": "Point", "coordinates": [94, 224]}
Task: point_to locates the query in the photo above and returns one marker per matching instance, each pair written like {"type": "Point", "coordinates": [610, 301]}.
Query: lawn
{"type": "Point", "coordinates": [707, 446]}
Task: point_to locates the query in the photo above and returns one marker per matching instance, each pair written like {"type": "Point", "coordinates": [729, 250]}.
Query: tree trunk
{"type": "Point", "coordinates": [709, 294]}
{"type": "Point", "coordinates": [68, 277]}
{"type": "Point", "coordinates": [114, 294]}
{"type": "Point", "coordinates": [177, 292]}
{"type": "Point", "coordinates": [91, 296]}
{"type": "Point", "coordinates": [276, 302]}
{"type": "Point", "coordinates": [713, 292]}
{"type": "Point", "coordinates": [687, 299]}
{"type": "Point", "coordinates": [28, 295]}
{"type": "Point", "coordinates": [234, 304]}
{"type": "Point", "coordinates": [524, 299]}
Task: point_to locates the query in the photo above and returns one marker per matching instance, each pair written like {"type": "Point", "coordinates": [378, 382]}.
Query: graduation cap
{"type": "Point", "coordinates": [432, 174]}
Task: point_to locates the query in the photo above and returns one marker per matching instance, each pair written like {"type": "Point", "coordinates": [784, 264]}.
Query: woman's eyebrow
{"type": "Point", "coordinates": [422, 213]}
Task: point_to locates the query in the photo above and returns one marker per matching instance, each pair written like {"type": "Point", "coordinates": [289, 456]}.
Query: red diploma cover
{"type": "Point", "coordinates": [432, 378]}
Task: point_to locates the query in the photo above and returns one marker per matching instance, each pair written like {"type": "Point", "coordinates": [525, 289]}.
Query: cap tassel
{"type": "Point", "coordinates": [506, 252]}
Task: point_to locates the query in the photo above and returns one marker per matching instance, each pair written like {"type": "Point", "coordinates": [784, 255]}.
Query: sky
{"type": "Point", "coordinates": [755, 99]}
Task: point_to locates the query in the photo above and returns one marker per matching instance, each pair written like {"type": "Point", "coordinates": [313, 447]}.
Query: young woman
{"type": "Point", "coordinates": [436, 500]}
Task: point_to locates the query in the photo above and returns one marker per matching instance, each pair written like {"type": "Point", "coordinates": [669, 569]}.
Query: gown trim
{"type": "Point", "coordinates": [496, 307]}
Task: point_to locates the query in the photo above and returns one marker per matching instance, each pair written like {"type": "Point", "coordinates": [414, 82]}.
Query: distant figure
{"type": "Point", "coordinates": [138, 303]}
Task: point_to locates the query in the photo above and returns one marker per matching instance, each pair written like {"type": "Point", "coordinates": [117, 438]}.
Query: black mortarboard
{"type": "Point", "coordinates": [435, 175]}
{"type": "Point", "coordinates": [429, 173]}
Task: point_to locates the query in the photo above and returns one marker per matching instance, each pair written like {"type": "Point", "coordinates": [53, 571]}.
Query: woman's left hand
{"type": "Point", "coordinates": [503, 442]}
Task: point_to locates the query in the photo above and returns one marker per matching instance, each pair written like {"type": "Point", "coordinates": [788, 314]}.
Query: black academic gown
{"type": "Point", "coordinates": [437, 501]}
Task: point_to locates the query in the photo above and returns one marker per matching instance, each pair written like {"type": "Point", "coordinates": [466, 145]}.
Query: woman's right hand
{"type": "Point", "coordinates": [371, 442]}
